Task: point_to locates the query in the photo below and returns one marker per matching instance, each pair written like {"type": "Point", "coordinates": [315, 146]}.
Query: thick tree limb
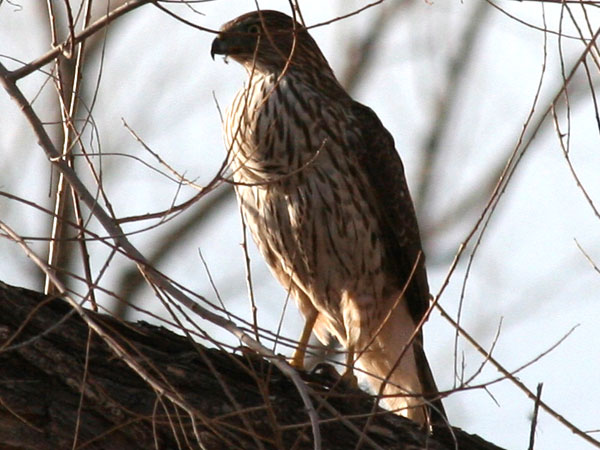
{"type": "Point", "coordinates": [56, 377]}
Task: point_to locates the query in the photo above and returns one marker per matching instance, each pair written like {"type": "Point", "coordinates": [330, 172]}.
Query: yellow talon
{"type": "Point", "coordinates": [300, 352]}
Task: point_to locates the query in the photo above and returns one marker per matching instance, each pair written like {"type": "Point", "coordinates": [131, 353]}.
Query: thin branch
{"type": "Point", "coordinates": [457, 66]}
{"type": "Point", "coordinates": [588, 257]}
{"type": "Point", "coordinates": [534, 419]}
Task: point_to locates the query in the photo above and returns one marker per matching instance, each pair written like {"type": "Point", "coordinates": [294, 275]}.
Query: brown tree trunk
{"type": "Point", "coordinates": [61, 384]}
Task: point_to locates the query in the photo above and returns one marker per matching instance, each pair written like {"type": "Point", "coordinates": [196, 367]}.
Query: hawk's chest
{"type": "Point", "coordinates": [302, 191]}
{"type": "Point", "coordinates": [274, 130]}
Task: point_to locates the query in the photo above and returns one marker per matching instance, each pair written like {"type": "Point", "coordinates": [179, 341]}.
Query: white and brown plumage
{"type": "Point", "coordinates": [323, 192]}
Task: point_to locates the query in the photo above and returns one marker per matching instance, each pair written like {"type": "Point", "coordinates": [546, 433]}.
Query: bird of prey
{"type": "Point", "coordinates": [323, 192]}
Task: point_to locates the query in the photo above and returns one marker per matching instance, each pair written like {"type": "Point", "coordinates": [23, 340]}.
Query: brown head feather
{"type": "Point", "coordinates": [268, 41]}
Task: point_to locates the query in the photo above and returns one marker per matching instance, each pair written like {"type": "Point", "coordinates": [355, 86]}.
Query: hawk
{"type": "Point", "coordinates": [323, 192]}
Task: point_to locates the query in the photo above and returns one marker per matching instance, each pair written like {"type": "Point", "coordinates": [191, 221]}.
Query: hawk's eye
{"type": "Point", "coordinates": [253, 28]}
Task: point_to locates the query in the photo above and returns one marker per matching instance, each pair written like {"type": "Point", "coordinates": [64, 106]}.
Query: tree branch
{"type": "Point", "coordinates": [242, 400]}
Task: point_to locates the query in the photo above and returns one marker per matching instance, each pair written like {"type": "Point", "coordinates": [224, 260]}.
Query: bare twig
{"type": "Point", "coordinates": [588, 257]}
{"type": "Point", "coordinates": [445, 104]}
{"type": "Point", "coordinates": [536, 409]}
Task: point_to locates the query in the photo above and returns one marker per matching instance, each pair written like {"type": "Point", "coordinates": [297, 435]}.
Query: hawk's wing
{"type": "Point", "coordinates": [385, 173]}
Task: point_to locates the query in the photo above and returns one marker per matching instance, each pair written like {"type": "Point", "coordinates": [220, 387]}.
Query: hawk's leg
{"type": "Point", "coordinates": [300, 352]}
{"type": "Point", "coordinates": [348, 376]}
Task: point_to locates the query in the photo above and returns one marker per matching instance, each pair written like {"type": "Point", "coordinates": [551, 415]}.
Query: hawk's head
{"type": "Point", "coordinates": [267, 41]}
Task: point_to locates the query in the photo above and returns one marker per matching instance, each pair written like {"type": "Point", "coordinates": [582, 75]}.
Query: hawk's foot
{"type": "Point", "coordinates": [348, 379]}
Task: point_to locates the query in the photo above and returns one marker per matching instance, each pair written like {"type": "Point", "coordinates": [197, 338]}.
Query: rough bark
{"type": "Point", "coordinates": [239, 400]}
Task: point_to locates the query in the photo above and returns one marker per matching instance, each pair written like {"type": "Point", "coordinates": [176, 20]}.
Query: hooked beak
{"type": "Point", "coordinates": [219, 47]}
